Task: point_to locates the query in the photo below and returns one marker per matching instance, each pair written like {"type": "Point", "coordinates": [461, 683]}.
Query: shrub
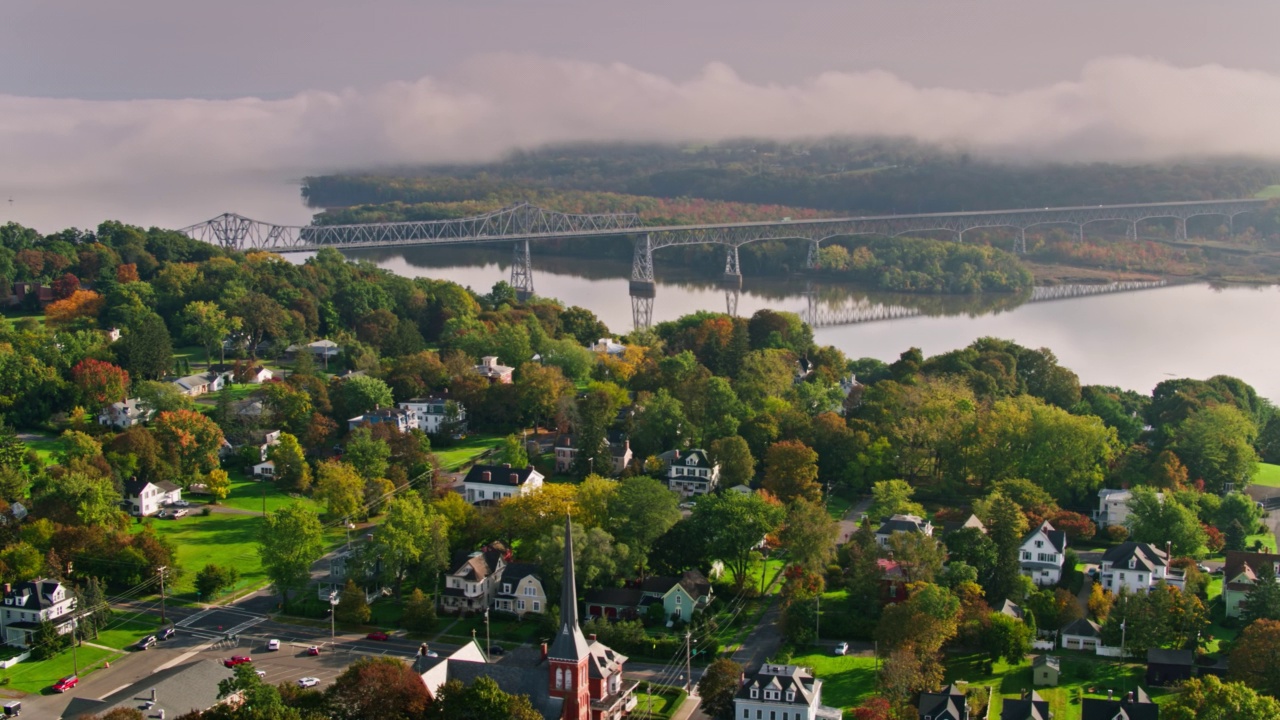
{"type": "Point", "coordinates": [1117, 533]}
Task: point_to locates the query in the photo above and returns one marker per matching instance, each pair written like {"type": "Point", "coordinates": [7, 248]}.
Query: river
{"type": "Point", "coordinates": [1129, 339]}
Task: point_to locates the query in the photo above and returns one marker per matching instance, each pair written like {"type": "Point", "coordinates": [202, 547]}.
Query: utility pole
{"type": "Point", "coordinates": [486, 632]}
{"type": "Point", "coordinates": [161, 570]}
{"type": "Point", "coordinates": [649, 694]}
{"type": "Point", "coordinates": [688, 661]}
{"type": "Point", "coordinates": [333, 613]}
{"type": "Point", "coordinates": [817, 618]}
{"type": "Point", "coordinates": [75, 641]}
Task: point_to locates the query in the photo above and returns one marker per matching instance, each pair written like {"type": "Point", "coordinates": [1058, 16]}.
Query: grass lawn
{"type": "Point", "coordinates": [127, 629]}
{"type": "Point", "coordinates": [504, 630]}
{"type": "Point", "coordinates": [463, 452]}
{"type": "Point", "coordinates": [1268, 541]}
{"type": "Point", "coordinates": [239, 391]}
{"type": "Point", "coordinates": [1080, 675]}
{"type": "Point", "coordinates": [16, 315]}
{"type": "Point", "coordinates": [1268, 474]}
{"type": "Point", "coordinates": [774, 566]}
{"type": "Point", "coordinates": [36, 677]}
{"type": "Point", "coordinates": [1270, 191]}
{"type": "Point", "coordinates": [837, 506]}
{"type": "Point", "coordinates": [45, 446]}
{"type": "Point", "coordinates": [847, 680]}
{"type": "Point", "coordinates": [662, 702]}
{"type": "Point", "coordinates": [247, 494]}
{"type": "Point", "coordinates": [218, 538]}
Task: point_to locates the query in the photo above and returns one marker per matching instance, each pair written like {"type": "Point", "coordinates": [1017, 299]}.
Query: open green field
{"type": "Point", "coordinates": [464, 452]}
{"type": "Point", "coordinates": [1268, 474]}
{"type": "Point", "coordinates": [1270, 191]}
{"type": "Point", "coordinates": [847, 680]}
{"type": "Point", "coordinates": [248, 494]}
{"type": "Point", "coordinates": [220, 538]}
{"type": "Point", "coordinates": [659, 703]}
{"type": "Point", "coordinates": [238, 391]}
{"type": "Point", "coordinates": [37, 677]}
{"type": "Point", "coordinates": [126, 629]}
{"type": "Point", "coordinates": [16, 315]}
{"type": "Point", "coordinates": [44, 444]}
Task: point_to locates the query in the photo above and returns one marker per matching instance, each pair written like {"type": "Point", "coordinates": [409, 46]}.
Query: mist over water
{"type": "Point", "coordinates": [1133, 340]}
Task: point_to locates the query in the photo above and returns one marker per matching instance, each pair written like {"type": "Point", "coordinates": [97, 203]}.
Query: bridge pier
{"type": "Point", "coordinates": [1132, 232]}
{"type": "Point", "coordinates": [1080, 233]}
{"type": "Point", "coordinates": [522, 271]}
{"type": "Point", "coordinates": [1020, 244]}
{"type": "Point", "coordinates": [641, 311]}
{"type": "Point", "coordinates": [1180, 229]}
{"type": "Point", "coordinates": [642, 267]}
{"type": "Point", "coordinates": [812, 261]}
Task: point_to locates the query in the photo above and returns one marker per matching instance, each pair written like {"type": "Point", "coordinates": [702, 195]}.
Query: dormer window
{"type": "Point", "coordinates": [506, 588]}
{"type": "Point", "coordinates": [1039, 543]}
{"type": "Point", "coordinates": [791, 696]}
{"type": "Point", "coordinates": [1133, 563]}
{"type": "Point", "coordinates": [754, 693]}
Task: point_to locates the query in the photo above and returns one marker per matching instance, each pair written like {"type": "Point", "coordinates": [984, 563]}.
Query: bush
{"type": "Point", "coordinates": [1117, 533]}
{"type": "Point", "coordinates": [207, 511]}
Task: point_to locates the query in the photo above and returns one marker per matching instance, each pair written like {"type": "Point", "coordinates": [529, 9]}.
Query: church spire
{"type": "Point", "coordinates": [569, 643]}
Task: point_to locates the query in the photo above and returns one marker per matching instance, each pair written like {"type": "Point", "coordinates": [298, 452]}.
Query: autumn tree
{"type": "Point", "coordinates": [192, 441]}
{"type": "Point", "coordinates": [717, 688]}
{"type": "Point", "coordinates": [353, 607]}
{"type": "Point", "coordinates": [419, 612]}
{"type": "Point", "coordinates": [1253, 657]}
{"type": "Point", "coordinates": [81, 309]}
{"type": "Point", "coordinates": [292, 471]}
{"type": "Point", "coordinates": [341, 488]}
{"type": "Point", "coordinates": [100, 383]}
{"type": "Point", "coordinates": [381, 687]}
{"type": "Point", "coordinates": [809, 534]}
{"type": "Point", "coordinates": [1208, 698]}
{"type": "Point", "coordinates": [791, 471]}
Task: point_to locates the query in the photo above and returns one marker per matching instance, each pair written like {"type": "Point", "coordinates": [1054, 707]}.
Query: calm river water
{"type": "Point", "coordinates": [1131, 339]}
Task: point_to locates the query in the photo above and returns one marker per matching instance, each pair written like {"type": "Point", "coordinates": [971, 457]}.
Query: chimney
{"type": "Point", "coordinates": [153, 694]}
{"type": "Point", "coordinates": [1129, 697]}
{"type": "Point", "coordinates": [486, 476]}
{"type": "Point", "coordinates": [506, 465]}
{"type": "Point", "coordinates": [544, 651]}
{"type": "Point", "coordinates": [591, 637]}
{"type": "Point", "coordinates": [1109, 691]}
{"type": "Point", "coordinates": [515, 479]}
{"type": "Point", "coordinates": [8, 588]}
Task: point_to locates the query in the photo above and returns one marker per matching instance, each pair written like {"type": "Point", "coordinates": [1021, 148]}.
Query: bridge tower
{"type": "Point", "coordinates": [522, 271]}
{"type": "Point", "coordinates": [1132, 232]}
{"type": "Point", "coordinates": [641, 311]}
{"type": "Point", "coordinates": [1180, 229]}
{"type": "Point", "coordinates": [812, 261]}
{"type": "Point", "coordinates": [732, 268]}
{"type": "Point", "coordinates": [1020, 244]}
{"type": "Point", "coordinates": [642, 267]}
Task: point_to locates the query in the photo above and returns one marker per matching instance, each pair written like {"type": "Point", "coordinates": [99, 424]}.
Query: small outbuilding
{"type": "Point", "coordinates": [1045, 670]}
{"type": "Point", "coordinates": [1167, 667]}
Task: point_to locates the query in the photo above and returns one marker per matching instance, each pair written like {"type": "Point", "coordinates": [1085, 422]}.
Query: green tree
{"type": "Point", "coordinates": [1262, 601]}
{"type": "Point", "coordinates": [290, 540]}
{"type": "Point", "coordinates": [920, 556]}
{"type": "Point", "coordinates": [598, 560]}
{"type": "Point", "coordinates": [213, 579]}
{"type": "Point", "coordinates": [1154, 521]}
{"type": "Point", "coordinates": [809, 534]}
{"type": "Point", "coordinates": [512, 452]}
{"type": "Point", "coordinates": [733, 525]}
{"type": "Point", "coordinates": [717, 688]}
{"type": "Point", "coordinates": [354, 396]}
{"type": "Point", "coordinates": [207, 325]}
{"type": "Point", "coordinates": [1208, 698]}
{"type": "Point", "coordinates": [482, 700]}
{"type": "Point", "coordinates": [660, 425]}
{"type": "Point", "coordinates": [370, 456]}
{"type": "Point", "coordinates": [1216, 445]}
{"type": "Point", "coordinates": [353, 608]}
{"type": "Point", "coordinates": [639, 512]}
{"type": "Point", "coordinates": [1006, 637]}
{"type": "Point", "coordinates": [1238, 507]}
{"type": "Point", "coordinates": [973, 547]}
{"type": "Point", "coordinates": [539, 389]}
{"type": "Point", "coordinates": [1006, 526]}
{"type": "Point", "coordinates": [893, 497]}
{"type": "Point", "coordinates": [47, 641]}
{"type": "Point", "coordinates": [145, 348]}
{"type": "Point", "coordinates": [292, 471]}
{"type": "Point", "coordinates": [791, 471]}
{"type": "Point", "coordinates": [341, 488]}
{"type": "Point", "coordinates": [412, 537]}
{"type": "Point", "coordinates": [737, 467]}
{"type": "Point", "coordinates": [419, 612]}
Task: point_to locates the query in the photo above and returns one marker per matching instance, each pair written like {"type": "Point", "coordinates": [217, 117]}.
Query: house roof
{"type": "Point", "coordinates": [193, 381]}
{"type": "Point", "coordinates": [1160, 656]}
{"type": "Point", "coordinates": [695, 457]}
{"type": "Point", "coordinates": [603, 661]}
{"type": "Point", "coordinates": [499, 475]}
{"type": "Point", "coordinates": [133, 487]}
{"type": "Point", "coordinates": [1056, 538]}
{"type": "Point", "coordinates": [513, 679]}
{"type": "Point", "coordinates": [902, 523]}
{"type": "Point", "coordinates": [515, 572]}
{"type": "Point", "coordinates": [1139, 707]}
{"type": "Point", "coordinates": [1012, 609]}
{"type": "Point", "coordinates": [1052, 661]}
{"type": "Point", "coordinates": [1145, 556]}
{"type": "Point", "coordinates": [614, 597]}
{"type": "Point", "coordinates": [1033, 707]}
{"type": "Point", "coordinates": [947, 704]}
{"type": "Point", "coordinates": [476, 566]}
{"type": "Point", "coordinates": [1083, 627]}
{"type": "Point", "coordinates": [1248, 564]}
{"type": "Point", "coordinates": [178, 690]}
{"type": "Point", "coordinates": [780, 678]}
{"type": "Point", "coordinates": [33, 594]}
{"type": "Point", "coordinates": [166, 486]}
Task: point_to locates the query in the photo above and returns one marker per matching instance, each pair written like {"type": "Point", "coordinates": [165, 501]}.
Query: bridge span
{"type": "Point", "coordinates": [522, 223]}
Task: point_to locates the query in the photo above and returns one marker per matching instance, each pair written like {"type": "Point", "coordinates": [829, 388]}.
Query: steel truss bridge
{"type": "Point", "coordinates": [523, 223]}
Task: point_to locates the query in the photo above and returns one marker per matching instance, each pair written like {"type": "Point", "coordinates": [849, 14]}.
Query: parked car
{"type": "Point", "coordinates": [168, 632]}
{"type": "Point", "coordinates": [497, 650]}
{"type": "Point", "coordinates": [273, 645]}
{"type": "Point", "coordinates": [180, 512]}
{"type": "Point", "coordinates": [181, 503]}
{"type": "Point", "coordinates": [313, 650]}
{"type": "Point", "coordinates": [235, 660]}
{"type": "Point", "coordinates": [261, 673]}
{"type": "Point", "coordinates": [66, 683]}
{"type": "Point", "coordinates": [379, 635]}
{"type": "Point", "coordinates": [842, 648]}
{"type": "Point", "coordinates": [162, 514]}
{"type": "Point", "coordinates": [146, 642]}
{"type": "Point", "coordinates": [307, 682]}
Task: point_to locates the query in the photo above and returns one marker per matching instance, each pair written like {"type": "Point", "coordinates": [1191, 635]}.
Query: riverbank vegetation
{"type": "Point", "coordinates": [907, 264]}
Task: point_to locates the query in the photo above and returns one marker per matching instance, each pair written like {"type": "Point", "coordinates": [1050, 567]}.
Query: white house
{"type": "Point", "coordinates": [435, 413]}
{"type": "Point", "coordinates": [265, 441]}
{"type": "Point", "coordinates": [519, 590]}
{"type": "Point", "coordinates": [325, 349]}
{"type": "Point", "coordinates": [473, 583]}
{"type": "Point", "coordinates": [125, 413]}
{"type": "Point", "coordinates": [566, 451]}
{"type": "Point", "coordinates": [265, 469]}
{"type": "Point", "coordinates": [691, 473]}
{"type": "Point", "coordinates": [486, 483]}
{"type": "Point", "coordinates": [197, 385]}
{"type": "Point", "coordinates": [782, 691]}
{"type": "Point", "coordinates": [1113, 507]}
{"type": "Point", "coordinates": [608, 346]}
{"type": "Point", "coordinates": [113, 334]}
{"type": "Point", "coordinates": [902, 523]}
{"type": "Point", "coordinates": [1081, 634]}
{"type": "Point", "coordinates": [30, 603]}
{"type": "Point", "coordinates": [1138, 567]}
{"type": "Point", "coordinates": [1042, 554]}
{"type": "Point", "coordinates": [147, 498]}
{"type": "Point", "coordinates": [494, 370]}
{"type": "Point", "coordinates": [258, 374]}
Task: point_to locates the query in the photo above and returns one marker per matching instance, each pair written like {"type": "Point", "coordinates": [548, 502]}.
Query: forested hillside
{"type": "Point", "coordinates": [842, 176]}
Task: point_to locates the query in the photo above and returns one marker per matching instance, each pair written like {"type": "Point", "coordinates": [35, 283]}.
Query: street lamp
{"type": "Point", "coordinates": [333, 611]}
{"type": "Point", "coordinates": [486, 632]}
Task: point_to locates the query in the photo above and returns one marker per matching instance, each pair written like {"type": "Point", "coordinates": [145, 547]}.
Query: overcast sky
{"type": "Point", "coordinates": [133, 96]}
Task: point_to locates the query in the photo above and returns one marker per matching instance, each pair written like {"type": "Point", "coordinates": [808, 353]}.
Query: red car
{"type": "Point", "coordinates": [235, 660]}
{"type": "Point", "coordinates": [65, 683]}
{"type": "Point", "coordinates": [313, 650]}
{"type": "Point", "coordinates": [377, 636]}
